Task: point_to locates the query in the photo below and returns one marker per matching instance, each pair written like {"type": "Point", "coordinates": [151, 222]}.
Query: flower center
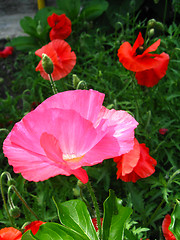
{"type": "Point", "coordinates": [71, 158]}
{"type": "Point", "coordinates": [140, 50]}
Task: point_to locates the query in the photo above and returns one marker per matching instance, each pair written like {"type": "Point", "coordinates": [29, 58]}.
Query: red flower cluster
{"type": "Point", "coordinates": [61, 56]}
{"type": "Point", "coordinates": [149, 68]}
{"type": "Point", "coordinates": [11, 233]}
{"type": "Point", "coordinates": [165, 228]}
{"type": "Point", "coordinates": [6, 52]}
{"type": "Point", "coordinates": [61, 26]}
{"type": "Point", "coordinates": [135, 164]}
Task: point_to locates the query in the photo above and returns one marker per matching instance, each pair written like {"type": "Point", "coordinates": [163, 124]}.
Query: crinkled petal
{"type": "Point", "coordinates": [165, 228]}
{"type": "Point", "coordinates": [139, 42]}
{"type": "Point", "coordinates": [87, 103]}
{"type": "Point", "coordinates": [152, 48]}
{"type": "Point", "coordinates": [152, 76]}
{"type": "Point", "coordinates": [10, 233]}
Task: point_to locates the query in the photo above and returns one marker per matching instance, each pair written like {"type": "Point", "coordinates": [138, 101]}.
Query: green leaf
{"type": "Point", "coordinates": [175, 221]}
{"type": "Point", "coordinates": [28, 236]}
{"type": "Point", "coordinates": [94, 9]}
{"type": "Point", "coordinates": [70, 7]}
{"type": "Point", "coordinates": [115, 216]}
{"type": "Point", "coordinates": [24, 43]}
{"type": "Point", "coordinates": [74, 214]}
{"type": "Point", "coordinates": [29, 26]}
{"type": "Point", "coordinates": [55, 231]}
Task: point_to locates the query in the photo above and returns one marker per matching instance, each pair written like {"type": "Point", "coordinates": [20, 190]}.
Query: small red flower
{"type": "Point", "coordinates": [10, 233]}
{"type": "Point", "coordinates": [163, 131]}
{"type": "Point", "coordinates": [61, 56]}
{"type": "Point", "coordinates": [6, 52]}
{"type": "Point", "coordinates": [135, 164]}
{"type": "Point", "coordinates": [149, 68]}
{"type": "Point", "coordinates": [61, 26]}
{"type": "Point", "coordinates": [34, 226]}
{"type": "Point", "coordinates": [94, 221]}
{"type": "Point", "coordinates": [165, 228]}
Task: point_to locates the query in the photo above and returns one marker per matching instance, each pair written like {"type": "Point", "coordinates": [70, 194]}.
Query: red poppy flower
{"type": "Point", "coordinates": [61, 26]}
{"type": "Point", "coordinates": [61, 56]}
{"type": "Point", "coordinates": [94, 221]}
{"type": "Point", "coordinates": [10, 233]}
{"type": "Point", "coordinates": [6, 52]}
{"type": "Point", "coordinates": [34, 226]}
{"type": "Point", "coordinates": [149, 68]}
{"type": "Point", "coordinates": [165, 228]}
{"type": "Point", "coordinates": [135, 164]}
{"type": "Point", "coordinates": [163, 131]}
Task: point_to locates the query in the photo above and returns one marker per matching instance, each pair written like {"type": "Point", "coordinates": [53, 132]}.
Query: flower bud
{"type": "Point", "coordinates": [151, 32]}
{"type": "Point", "coordinates": [15, 212]}
{"type": "Point", "coordinates": [160, 26]}
{"type": "Point", "coordinates": [151, 23]}
{"type": "Point", "coordinates": [75, 80]}
{"type": "Point", "coordinates": [76, 192]}
{"type": "Point", "coordinates": [39, 28]}
{"type": "Point", "coordinates": [47, 64]}
{"type": "Point", "coordinates": [80, 184]}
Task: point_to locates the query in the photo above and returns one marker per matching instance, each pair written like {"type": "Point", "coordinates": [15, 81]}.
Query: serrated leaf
{"type": "Point", "coordinates": [74, 214]}
{"type": "Point", "coordinates": [115, 216]}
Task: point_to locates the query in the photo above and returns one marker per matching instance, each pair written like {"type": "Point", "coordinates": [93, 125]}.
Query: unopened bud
{"type": "Point", "coordinates": [151, 23]}
{"type": "Point", "coordinates": [75, 80]}
{"type": "Point", "coordinates": [159, 26]}
{"type": "Point", "coordinates": [39, 28]}
{"type": "Point", "coordinates": [47, 64]}
{"type": "Point", "coordinates": [151, 32]}
{"type": "Point", "coordinates": [80, 184]}
{"type": "Point", "coordinates": [15, 212]}
{"type": "Point", "coordinates": [76, 192]}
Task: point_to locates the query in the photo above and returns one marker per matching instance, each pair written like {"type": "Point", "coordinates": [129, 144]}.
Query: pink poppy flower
{"type": "Point", "coordinates": [135, 164]}
{"type": "Point", "coordinates": [67, 131]}
{"type": "Point", "coordinates": [61, 26]}
{"type": "Point", "coordinates": [149, 68]}
{"type": "Point", "coordinates": [10, 233]}
{"type": "Point", "coordinates": [6, 52]}
{"type": "Point", "coordinates": [61, 56]}
{"type": "Point", "coordinates": [165, 228]}
{"type": "Point", "coordinates": [163, 131]}
{"type": "Point", "coordinates": [33, 226]}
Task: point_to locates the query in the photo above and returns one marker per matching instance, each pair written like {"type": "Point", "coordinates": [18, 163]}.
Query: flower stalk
{"type": "Point", "coordinates": [94, 200]}
{"type": "Point", "coordinates": [53, 85]}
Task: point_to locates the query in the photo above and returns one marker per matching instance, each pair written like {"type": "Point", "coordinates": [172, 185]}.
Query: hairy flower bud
{"type": "Point", "coordinates": [47, 64]}
{"type": "Point", "coordinates": [151, 23]}
{"type": "Point", "coordinates": [151, 32]}
{"type": "Point", "coordinates": [15, 212]}
{"type": "Point", "coordinates": [160, 26]}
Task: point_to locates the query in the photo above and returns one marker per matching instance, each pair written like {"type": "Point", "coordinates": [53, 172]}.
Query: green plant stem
{"type": "Point", "coordinates": [135, 98]}
{"type": "Point", "coordinates": [86, 202]}
{"type": "Point", "coordinates": [154, 214]}
{"type": "Point", "coordinates": [22, 200]}
{"type": "Point", "coordinates": [165, 12]}
{"type": "Point", "coordinates": [53, 85]}
{"type": "Point", "coordinates": [94, 200]}
{"type": "Point", "coordinates": [3, 197]}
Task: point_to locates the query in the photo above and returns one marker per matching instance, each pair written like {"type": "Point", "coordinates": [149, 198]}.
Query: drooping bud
{"type": "Point", "coordinates": [151, 23]}
{"type": "Point", "coordinates": [47, 64]}
{"type": "Point", "coordinates": [75, 80]}
{"type": "Point", "coordinates": [76, 192]}
{"type": "Point", "coordinates": [80, 184]}
{"type": "Point", "coordinates": [15, 212]}
{"type": "Point", "coordinates": [151, 32]}
{"type": "Point", "coordinates": [39, 28]}
{"type": "Point", "coordinates": [160, 26]}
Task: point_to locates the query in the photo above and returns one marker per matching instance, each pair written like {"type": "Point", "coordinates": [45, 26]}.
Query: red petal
{"type": "Point", "coordinates": [34, 226]}
{"type": "Point", "coordinates": [139, 42]}
{"type": "Point", "coordinates": [10, 233]}
{"type": "Point", "coordinates": [165, 228]}
{"type": "Point", "coordinates": [151, 77]}
{"type": "Point", "coordinates": [153, 47]}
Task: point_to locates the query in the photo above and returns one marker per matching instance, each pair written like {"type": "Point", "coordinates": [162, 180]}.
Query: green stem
{"type": "Point", "coordinates": [22, 200]}
{"type": "Point", "coordinates": [165, 12]}
{"type": "Point", "coordinates": [3, 197]}
{"type": "Point", "coordinates": [53, 85]}
{"type": "Point", "coordinates": [135, 98]}
{"type": "Point", "coordinates": [155, 213]}
{"type": "Point", "coordinates": [94, 200]}
{"type": "Point", "coordinates": [86, 202]}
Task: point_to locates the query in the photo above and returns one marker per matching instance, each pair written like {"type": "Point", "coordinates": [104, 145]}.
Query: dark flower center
{"type": "Point", "coordinates": [140, 50]}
